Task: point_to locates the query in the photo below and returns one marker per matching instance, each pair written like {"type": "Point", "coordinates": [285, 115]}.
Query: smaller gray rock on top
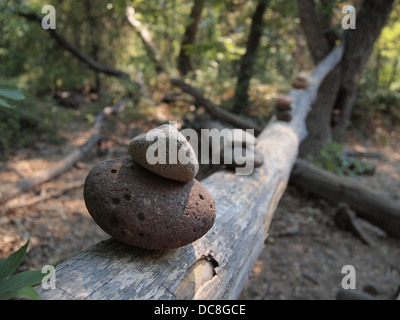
{"type": "Point", "coordinates": [166, 152]}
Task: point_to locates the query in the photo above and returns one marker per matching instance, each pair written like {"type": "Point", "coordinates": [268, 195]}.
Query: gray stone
{"type": "Point", "coordinates": [140, 208]}
{"type": "Point", "coordinates": [166, 152]}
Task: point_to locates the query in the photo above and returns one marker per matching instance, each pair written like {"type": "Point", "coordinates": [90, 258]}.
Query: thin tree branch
{"type": "Point", "coordinates": [93, 64]}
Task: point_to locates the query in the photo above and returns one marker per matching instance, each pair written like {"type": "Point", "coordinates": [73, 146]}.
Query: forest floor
{"type": "Point", "coordinates": [303, 256]}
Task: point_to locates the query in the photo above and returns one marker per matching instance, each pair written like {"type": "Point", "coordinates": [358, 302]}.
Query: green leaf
{"type": "Point", "coordinates": [7, 266]}
{"type": "Point", "coordinates": [20, 280]}
{"type": "Point", "coordinates": [5, 104]}
{"type": "Point", "coordinates": [27, 291]}
{"type": "Point", "coordinates": [12, 93]}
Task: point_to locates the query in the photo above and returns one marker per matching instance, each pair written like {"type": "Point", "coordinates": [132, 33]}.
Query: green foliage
{"type": "Point", "coordinates": [11, 93]}
{"type": "Point", "coordinates": [374, 108]}
{"type": "Point", "coordinates": [333, 158]}
{"type": "Point", "coordinates": [20, 284]}
{"type": "Point", "coordinates": [383, 68]}
{"type": "Point", "coordinates": [27, 122]}
{"type": "Point", "coordinates": [34, 61]}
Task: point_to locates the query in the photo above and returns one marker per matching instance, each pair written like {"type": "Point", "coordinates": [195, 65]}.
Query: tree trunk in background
{"type": "Point", "coordinates": [319, 118]}
{"type": "Point", "coordinates": [241, 96]}
{"type": "Point", "coordinates": [312, 28]}
{"type": "Point", "coordinates": [184, 65]}
{"type": "Point", "coordinates": [359, 44]}
{"type": "Point", "coordinates": [331, 111]}
{"type": "Point", "coordinates": [94, 41]}
{"type": "Point", "coordinates": [145, 36]}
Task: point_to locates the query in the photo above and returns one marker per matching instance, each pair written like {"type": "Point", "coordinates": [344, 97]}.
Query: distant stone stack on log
{"type": "Point", "coordinates": [300, 81]}
{"type": "Point", "coordinates": [243, 147]}
{"type": "Point", "coordinates": [284, 108]}
{"type": "Point", "coordinates": [147, 204]}
{"type": "Point", "coordinates": [241, 144]}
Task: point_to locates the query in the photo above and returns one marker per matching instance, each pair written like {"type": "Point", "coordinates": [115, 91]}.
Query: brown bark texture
{"type": "Point", "coordinates": [241, 97]}
{"type": "Point", "coordinates": [184, 63]}
{"type": "Point", "coordinates": [338, 92]}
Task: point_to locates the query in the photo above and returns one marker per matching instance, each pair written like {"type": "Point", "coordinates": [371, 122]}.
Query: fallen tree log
{"type": "Point", "coordinates": [217, 265]}
{"type": "Point", "coordinates": [359, 154]}
{"type": "Point", "coordinates": [372, 206]}
{"type": "Point", "coordinates": [66, 163]}
{"type": "Point", "coordinates": [214, 267]}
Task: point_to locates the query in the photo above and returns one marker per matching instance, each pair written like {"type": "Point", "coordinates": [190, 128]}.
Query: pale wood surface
{"type": "Point", "coordinates": [216, 266]}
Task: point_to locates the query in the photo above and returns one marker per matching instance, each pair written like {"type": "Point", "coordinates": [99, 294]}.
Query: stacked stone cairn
{"type": "Point", "coordinates": [284, 108]}
{"type": "Point", "coordinates": [301, 81]}
{"type": "Point", "coordinates": [151, 204]}
{"type": "Point", "coordinates": [242, 147]}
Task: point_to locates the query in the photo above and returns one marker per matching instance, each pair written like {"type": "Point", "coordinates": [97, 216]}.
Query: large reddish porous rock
{"type": "Point", "coordinates": [140, 208]}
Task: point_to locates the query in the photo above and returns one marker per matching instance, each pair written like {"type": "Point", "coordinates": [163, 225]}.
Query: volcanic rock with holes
{"type": "Point", "coordinates": [146, 210]}
{"type": "Point", "coordinates": [166, 152]}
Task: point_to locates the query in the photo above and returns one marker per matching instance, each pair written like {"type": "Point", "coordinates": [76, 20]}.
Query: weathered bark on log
{"type": "Point", "coordinates": [217, 265]}
{"type": "Point", "coordinates": [372, 206]}
{"type": "Point", "coordinates": [65, 164]}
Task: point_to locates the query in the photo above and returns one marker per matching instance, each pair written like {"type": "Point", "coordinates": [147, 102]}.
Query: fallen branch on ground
{"type": "Point", "coordinates": [44, 196]}
{"type": "Point", "coordinates": [372, 206]}
{"type": "Point", "coordinates": [67, 163]}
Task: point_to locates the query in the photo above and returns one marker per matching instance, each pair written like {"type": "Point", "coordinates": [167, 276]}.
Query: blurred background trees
{"type": "Point", "coordinates": [206, 41]}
